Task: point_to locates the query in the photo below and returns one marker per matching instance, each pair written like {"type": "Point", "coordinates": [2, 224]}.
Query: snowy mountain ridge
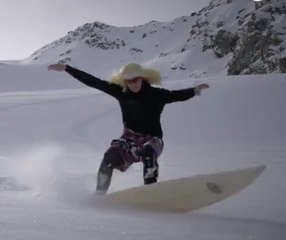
{"type": "Point", "coordinates": [225, 38]}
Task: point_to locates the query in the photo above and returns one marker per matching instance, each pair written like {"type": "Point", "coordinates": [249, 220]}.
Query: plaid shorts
{"type": "Point", "coordinates": [130, 145]}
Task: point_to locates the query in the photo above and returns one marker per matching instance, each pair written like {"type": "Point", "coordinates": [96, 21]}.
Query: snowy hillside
{"type": "Point", "coordinates": [226, 37]}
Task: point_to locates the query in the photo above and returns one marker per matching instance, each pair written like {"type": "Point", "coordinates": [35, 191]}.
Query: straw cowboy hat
{"type": "Point", "coordinates": [134, 70]}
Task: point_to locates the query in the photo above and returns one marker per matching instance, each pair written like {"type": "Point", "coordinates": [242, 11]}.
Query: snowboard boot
{"type": "Point", "coordinates": [103, 179]}
{"type": "Point", "coordinates": [109, 162]}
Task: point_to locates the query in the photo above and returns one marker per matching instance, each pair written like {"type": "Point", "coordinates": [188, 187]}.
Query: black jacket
{"type": "Point", "coordinates": [141, 112]}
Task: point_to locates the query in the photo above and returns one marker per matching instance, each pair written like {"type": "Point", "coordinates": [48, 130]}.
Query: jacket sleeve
{"type": "Point", "coordinates": [94, 82]}
{"type": "Point", "coordinates": [170, 96]}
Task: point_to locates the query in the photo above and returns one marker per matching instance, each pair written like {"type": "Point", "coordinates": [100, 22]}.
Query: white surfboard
{"type": "Point", "coordinates": [184, 194]}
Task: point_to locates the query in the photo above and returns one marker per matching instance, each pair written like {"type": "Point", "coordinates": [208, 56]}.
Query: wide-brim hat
{"type": "Point", "coordinates": [134, 70]}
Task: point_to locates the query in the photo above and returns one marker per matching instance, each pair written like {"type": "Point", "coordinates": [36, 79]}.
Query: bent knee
{"type": "Point", "coordinates": [112, 159]}
{"type": "Point", "coordinates": [148, 152]}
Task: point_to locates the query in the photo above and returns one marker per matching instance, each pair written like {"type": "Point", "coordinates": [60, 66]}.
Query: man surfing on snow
{"type": "Point", "coordinates": [141, 107]}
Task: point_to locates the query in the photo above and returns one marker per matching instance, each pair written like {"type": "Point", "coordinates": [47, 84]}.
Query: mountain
{"type": "Point", "coordinates": [224, 38]}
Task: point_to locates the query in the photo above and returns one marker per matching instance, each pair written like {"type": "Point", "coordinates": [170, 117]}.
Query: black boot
{"type": "Point", "coordinates": [109, 162]}
{"type": "Point", "coordinates": [150, 165]}
{"type": "Point", "coordinates": [104, 176]}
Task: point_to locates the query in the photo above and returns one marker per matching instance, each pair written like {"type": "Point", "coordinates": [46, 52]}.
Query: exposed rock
{"type": "Point", "coordinates": [282, 65]}
{"type": "Point", "coordinates": [224, 43]}
{"type": "Point", "coordinates": [253, 48]}
{"type": "Point", "coordinates": [261, 25]}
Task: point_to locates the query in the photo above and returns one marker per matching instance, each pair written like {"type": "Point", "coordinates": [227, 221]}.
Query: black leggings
{"type": "Point", "coordinates": [113, 159]}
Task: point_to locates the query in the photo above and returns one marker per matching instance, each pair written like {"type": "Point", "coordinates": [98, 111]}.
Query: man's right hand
{"type": "Point", "coordinates": [199, 88]}
{"type": "Point", "coordinates": [57, 67]}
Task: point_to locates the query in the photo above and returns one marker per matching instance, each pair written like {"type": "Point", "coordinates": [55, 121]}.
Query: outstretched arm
{"type": "Point", "coordinates": [87, 79]}
{"type": "Point", "coordinates": [183, 94]}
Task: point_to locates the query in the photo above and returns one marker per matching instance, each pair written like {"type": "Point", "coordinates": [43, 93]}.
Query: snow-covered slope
{"type": "Point", "coordinates": [239, 121]}
{"type": "Point", "coordinates": [52, 142]}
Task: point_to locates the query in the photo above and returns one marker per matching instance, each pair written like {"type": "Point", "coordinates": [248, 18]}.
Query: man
{"type": "Point", "coordinates": [141, 107]}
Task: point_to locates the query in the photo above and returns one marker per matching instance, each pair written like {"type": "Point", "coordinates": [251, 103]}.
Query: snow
{"type": "Point", "coordinates": [55, 130]}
